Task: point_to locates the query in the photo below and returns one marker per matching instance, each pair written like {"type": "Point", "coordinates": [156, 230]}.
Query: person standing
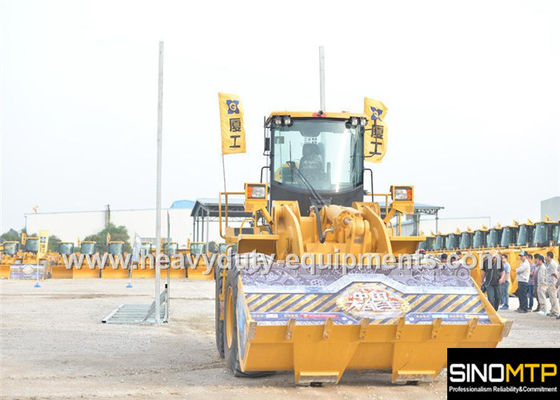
{"type": "Point", "coordinates": [538, 280]}
{"type": "Point", "coordinates": [551, 281]}
{"type": "Point", "coordinates": [523, 271]}
{"type": "Point", "coordinates": [532, 282]}
{"type": "Point", "coordinates": [540, 269]}
{"type": "Point", "coordinates": [504, 286]}
{"type": "Point", "coordinates": [492, 276]}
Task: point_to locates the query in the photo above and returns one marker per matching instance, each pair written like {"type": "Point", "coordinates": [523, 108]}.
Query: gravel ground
{"type": "Point", "coordinates": [53, 346]}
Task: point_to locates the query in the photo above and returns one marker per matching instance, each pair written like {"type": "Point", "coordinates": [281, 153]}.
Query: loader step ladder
{"type": "Point", "coordinates": [139, 314]}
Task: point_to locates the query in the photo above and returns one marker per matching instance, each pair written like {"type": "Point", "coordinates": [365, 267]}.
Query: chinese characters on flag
{"type": "Point", "coordinates": [231, 122]}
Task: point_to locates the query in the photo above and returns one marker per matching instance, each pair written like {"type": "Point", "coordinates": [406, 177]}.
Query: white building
{"type": "Point", "coordinates": [551, 207]}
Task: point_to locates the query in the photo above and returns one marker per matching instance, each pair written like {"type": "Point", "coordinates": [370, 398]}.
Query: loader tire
{"type": "Point", "coordinates": [219, 322]}
{"type": "Point", "coordinates": [231, 354]}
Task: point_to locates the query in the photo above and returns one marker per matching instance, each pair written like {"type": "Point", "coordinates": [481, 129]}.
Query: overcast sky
{"type": "Point", "coordinates": [472, 88]}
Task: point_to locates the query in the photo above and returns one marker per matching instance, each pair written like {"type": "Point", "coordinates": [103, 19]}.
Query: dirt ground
{"type": "Point", "coordinates": [53, 346]}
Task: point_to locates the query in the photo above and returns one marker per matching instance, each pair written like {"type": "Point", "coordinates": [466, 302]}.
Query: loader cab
{"type": "Point", "coordinates": [66, 248]}
{"type": "Point", "coordinates": [509, 236]}
{"type": "Point", "coordinates": [452, 241]}
{"type": "Point", "coordinates": [32, 245]}
{"type": "Point", "coordinates": [439, 242]}
{"type": "Point", "coordinates": [495, 237]}
{"type": "Point", "coordinates": [170, 248]}
{"type": "Point", "coordinates": [10, 248]}
{"type": "Point", "coordinates": [115, 247]}
{"type": "Point", "coordinates": [146, 248]}
{"type": "Point", "coordinates": [525, 236]}
{"type": "Point", "coordinates": [315, 152]}
{"type": "Point", "coordinates": [87, 247]}
{"type": "Point", "coordinates": [544, 234]}
{"type": "Point", "coordinates": [466, 241]}
{"type": "Point", "coordinates": [479, 238]}
{"type": "Point", "coordinates": [429, 246]}
{"type": "Point", "coordinates": [197, 248]}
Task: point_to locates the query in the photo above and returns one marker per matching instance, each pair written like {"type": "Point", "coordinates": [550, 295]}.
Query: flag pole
{"type": "Point", "coordinates": [322, 77]}
{"type": "Point", "coordinates": [224, 171]}
{"type": "Point", "coordinates": [158, 185]}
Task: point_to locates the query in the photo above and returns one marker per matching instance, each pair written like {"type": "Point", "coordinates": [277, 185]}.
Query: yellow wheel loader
{"type": "Point", "coordinates": [8, 257]}
{"type": "Point", "coordinates": [144, 269]}
{"type": "Point", "coordinates": [115, 266]}
{"type": "Point", "coordinates": [199, 270]}
{"type": "Point", "coordinates": [59, 270]}
{"type": "Point", "coordinates": [292, 298]}
{"type": "Point", "coordinates": [88, 268]}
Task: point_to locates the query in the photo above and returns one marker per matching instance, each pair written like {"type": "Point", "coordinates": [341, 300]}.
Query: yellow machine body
{"type": "Point", "coordinates": [87, 270]}
{"type": "Point", "coordinates": [319, 325]}
{"type": "Point", "coordinates": [58, 266]}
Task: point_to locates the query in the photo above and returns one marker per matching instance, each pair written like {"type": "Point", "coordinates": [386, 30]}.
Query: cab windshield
{"type": "Point", "coordinates": [32, 245]}
{"type": "Point", "coordinates": [466, 240]}
{"type": "Point", "coordinates": [222, 247]}
{"type": "Point", "coordinates": [170, 248]}
{"type": "Point", "coordinates": [327, 152]}
{"type": "Point", "coordinates": [556, 234]}
{"type": "Point", "coordinates": [146, 248]}
{"type": "Point", "coordinates": [494, 237]}
{"type": "Point", "coordinates": [10, 248]}
{"type": "Point", "coordinates": [87, 248]}
{"type": "Point", "coordinates": [198, 248]}
{"type": "Point", "coordinates": [478, 239]}
{"type": "Point", "coordinates": [542, 234]}
{"type": "Point", "coordinates": [508, 237]}
{"type": "Point", "coordinates": [524, 237]}
{"type": "Point", "coordinates": [429, 243]}
{"type": "Point", "coordinates": [65, 248]}
{"type": "Point", "coordinates": [451, 242]}
{"type": "Point", "coordinates": [115, 248]}
{"type": "Point", "coordinates": [439, 242]}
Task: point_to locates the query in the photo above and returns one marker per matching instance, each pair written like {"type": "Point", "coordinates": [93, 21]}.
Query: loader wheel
{"type": "Point", "coordinates": [230, 329]}
{"type": "Point", "coordinates": [219, 322]}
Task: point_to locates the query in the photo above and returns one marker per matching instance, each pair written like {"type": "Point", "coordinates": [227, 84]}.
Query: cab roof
{"type": "Point", "coordinates": [315, 114]}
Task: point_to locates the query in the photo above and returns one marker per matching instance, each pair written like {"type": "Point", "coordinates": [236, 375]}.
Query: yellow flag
{"type": "Point", "coordinates": [375, 136]}
{"type": "Point", "coordinates": [43, 243]}
{"type": "Point", "coordinates": [231, 122]}
{"type": "Point", "coordinates": [108, 237]}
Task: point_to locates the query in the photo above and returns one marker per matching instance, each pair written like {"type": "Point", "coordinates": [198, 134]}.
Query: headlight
{"type": "Point", "coordinates": [256, 192]}
{"type": "Point", "coordinates": [277, 120]}
{"type": "Point", "coordinates": [400, 194]}
{"type": "Point", "coordinates": [287, 120]}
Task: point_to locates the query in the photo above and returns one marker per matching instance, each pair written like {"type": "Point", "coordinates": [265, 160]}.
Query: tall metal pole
{"type": "Point", "coordinates": [158, 184]}
{"type": "Point", "coordinates": [322, 76]}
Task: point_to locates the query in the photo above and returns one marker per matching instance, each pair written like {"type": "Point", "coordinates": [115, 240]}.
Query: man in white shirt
{"type": "Point", "coordinates": [523, 271]}
{"type": "Point", "coordinates": [551, 281]}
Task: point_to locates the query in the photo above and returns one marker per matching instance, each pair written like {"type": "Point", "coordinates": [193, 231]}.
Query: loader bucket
{"type": "Point", "coordinates": [322, 323]}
